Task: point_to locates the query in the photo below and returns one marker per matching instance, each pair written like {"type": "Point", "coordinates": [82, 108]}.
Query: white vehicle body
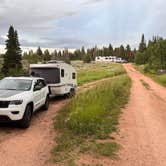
{"type": "Point", "coordinates": [106, 59]}
{"type": "Point", "coordinates": [60, 77]}
{"type": "Point", "coordinates": [109, 59]}
{"type": "Point", "coordinates": [13, 102]}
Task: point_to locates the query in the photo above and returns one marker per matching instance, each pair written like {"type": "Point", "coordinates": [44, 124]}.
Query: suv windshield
{"type": "Point", "coordinates": [15, 84]}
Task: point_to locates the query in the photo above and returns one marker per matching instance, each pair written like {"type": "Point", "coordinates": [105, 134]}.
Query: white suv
{"type": "Point", "coordinates": [20, 97]}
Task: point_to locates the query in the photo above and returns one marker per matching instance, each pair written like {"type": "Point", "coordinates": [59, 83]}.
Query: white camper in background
{"type": "Point", "coordinates": [60, 77]}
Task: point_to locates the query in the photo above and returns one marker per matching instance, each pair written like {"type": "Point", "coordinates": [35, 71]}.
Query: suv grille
{"type": "Point", "coordinates": [4, 104]}
{"type": "Point", "coordinates": [4, 118]}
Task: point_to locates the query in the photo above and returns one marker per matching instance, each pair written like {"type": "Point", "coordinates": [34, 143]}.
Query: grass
{"type": "Point", "coordinates": [91, 116]}
{"type": "Point", "coordinates": [161, 79]}
{"type": "Point", "coordinates": [96, 71]}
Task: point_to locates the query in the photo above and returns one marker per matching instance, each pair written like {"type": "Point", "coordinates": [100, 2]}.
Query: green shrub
{"type": "Point", "coordinates": [98, 71]}
{"type": "Point", "coordinates": [90, 116]}
{"type": "Point", "coordinates": [91, 112]}
{"type": "Point", "coordinates": [148, 69]}
{"type": "Point", "coordinates": [145, 69]}
{"type": "Point", "coordinates": [140, 58]}
{"type": "Point", "coordinates": [88, 111]}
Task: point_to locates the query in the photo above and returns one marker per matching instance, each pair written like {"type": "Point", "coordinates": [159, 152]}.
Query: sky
{"type": "Point", "coordinates": [77, 23]}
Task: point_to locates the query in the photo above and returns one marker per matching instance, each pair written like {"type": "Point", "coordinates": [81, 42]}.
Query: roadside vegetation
{"type": "Point", "coordinates": [159, 78]}
{"type": "Point", "coordinates": [85, 125]}
{"type": "Point", "coordinates": [150, 59]}
{"type": "Point", "coordinates": [95, 71]}
{"type": "Point", "coordinates": [152, 55]}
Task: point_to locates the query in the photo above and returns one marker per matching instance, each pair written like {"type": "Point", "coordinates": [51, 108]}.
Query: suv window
{"type": "Point", "coordinates": [43, 83]}
{"type": "Point", "coordinates": [39, 84]}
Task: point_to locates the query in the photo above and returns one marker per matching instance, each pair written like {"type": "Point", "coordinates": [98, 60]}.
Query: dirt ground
{"type": "Point", "coordinates": [143, 124]}
{"type": "Point", "coordinates": [142, 131]}
{"type": "Point", "coordinates": [29, 147]}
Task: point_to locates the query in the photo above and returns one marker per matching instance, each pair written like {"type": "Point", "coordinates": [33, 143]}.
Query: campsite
{"type": "Point", "coordinates": [82, 83]}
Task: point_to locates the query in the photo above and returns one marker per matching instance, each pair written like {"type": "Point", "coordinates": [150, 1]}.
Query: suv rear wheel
{"type": "Point", "coordinates": [26, 120]}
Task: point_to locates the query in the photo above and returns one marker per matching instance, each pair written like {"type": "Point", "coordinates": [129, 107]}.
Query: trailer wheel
{"type": "Point", "coordinates": [72, 93]}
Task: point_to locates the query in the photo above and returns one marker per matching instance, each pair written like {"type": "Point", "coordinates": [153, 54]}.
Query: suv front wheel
{"type": "Point", "coordinates": [26, 120]}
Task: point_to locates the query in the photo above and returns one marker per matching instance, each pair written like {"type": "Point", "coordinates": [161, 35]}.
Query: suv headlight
{"type": "Point", "coordinates": [16, 102]}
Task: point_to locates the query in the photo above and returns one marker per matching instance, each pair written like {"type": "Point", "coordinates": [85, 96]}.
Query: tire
{"type": "Point", "coordinates": [72, 93]}
{"type": "Point", "coordinates": [46, 105]}
{"type": "Point", "coordinates": [26, 120]}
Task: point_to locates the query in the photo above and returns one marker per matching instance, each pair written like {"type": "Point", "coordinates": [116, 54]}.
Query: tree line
{"type": "Point", "coordinates": [80, 54]}
{"type": "Point", "coordinates": [152, 54]}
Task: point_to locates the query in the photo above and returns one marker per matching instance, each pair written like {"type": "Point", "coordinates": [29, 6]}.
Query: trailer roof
{"type": "Point", "coordinates": [57, 64]}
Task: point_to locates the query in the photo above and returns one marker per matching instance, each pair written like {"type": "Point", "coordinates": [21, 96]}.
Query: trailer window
{"type": "Point", "coordinates": [62, 73]}
{"type": "Point", "coordinates": [51, 75]}
{"type": "Point", "coordinates": [73, 75]}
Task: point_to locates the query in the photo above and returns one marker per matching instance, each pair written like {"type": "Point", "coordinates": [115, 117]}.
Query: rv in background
{"type": "Point", "coordinates": [60, 77]}
{"type": "Point", "coordinates": [110, 59]}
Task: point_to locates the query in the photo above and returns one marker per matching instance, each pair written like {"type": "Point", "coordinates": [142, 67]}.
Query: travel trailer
{"type": "Point", "coordinates": [109, 59]}
{"type": "Point", "coordinates": [60, 77]}
{"type": "Point", "coordinates": [105, 59]}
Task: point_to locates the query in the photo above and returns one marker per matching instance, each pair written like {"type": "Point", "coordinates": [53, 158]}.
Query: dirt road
{"type": "Point", "coordinates": [143, 124]}
{"type": "Point", "coordinates": [29, 147]}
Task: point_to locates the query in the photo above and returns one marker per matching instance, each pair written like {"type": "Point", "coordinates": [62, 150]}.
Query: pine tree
{"type": "Point", "coordinates": [59, 54]}
{"type": "Point", "coordinates": [39, 52]}
{"type": "Point", "coordinates": [66, 57]}
{"type": "Point", "coordinates": [142, 45]}
{"type": "Point", "coordinates": [77, 54]}
{"type": "Point", "coordinates": [54, 55]}
{"type": "Point", "coordinates": [122, 52]}
{"type": "Point", "coordinates": [111, 50]}
{"type": "Point", "coordinates": [18, 52]}
{"type": "Point", "coordinates": [46, 55]}
{"type": "Point", "coordinates": [106, 51]}
{"type": "Point", "coordinates": [12, 58]}
{"type": "Point", "coordinates": [82, 52]}
{"type": "Point", "coordinates": [117, 52]}
{"type": "Point", "coordinates": [128, 52]}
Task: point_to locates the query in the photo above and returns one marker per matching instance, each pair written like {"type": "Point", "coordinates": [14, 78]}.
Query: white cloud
{"type": "Point", "coordinates": [4, 37]}
{"type": "Point", "coordinates": [68, 23]}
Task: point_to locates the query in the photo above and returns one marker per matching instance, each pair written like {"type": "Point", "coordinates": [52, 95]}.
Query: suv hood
{"type": "Point", "coordinates": [4, 94]}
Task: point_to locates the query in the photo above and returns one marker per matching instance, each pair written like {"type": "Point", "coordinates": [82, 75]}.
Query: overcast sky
{"type": "Point", "coordinates": [73, 23]}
